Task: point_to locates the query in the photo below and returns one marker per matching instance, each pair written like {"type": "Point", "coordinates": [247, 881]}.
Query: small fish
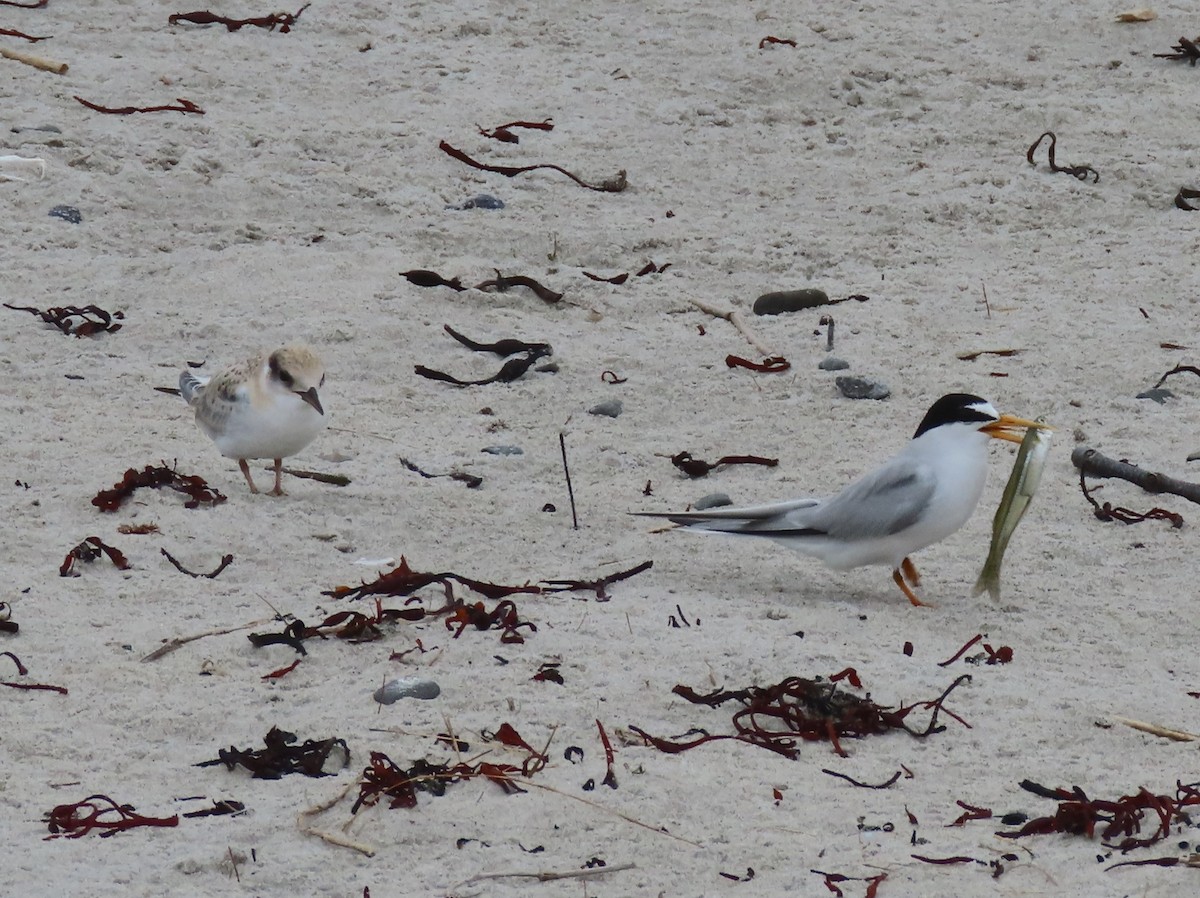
{"type": "Point", "coordinates": [1018, 492]}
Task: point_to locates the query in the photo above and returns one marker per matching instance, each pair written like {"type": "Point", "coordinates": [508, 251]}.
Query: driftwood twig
{"type": "Point", "coordinates": [735, 318]}
{"type": "Point", "coordinates": [551, 875]}
{"type": "Point", "coordinates": [1094, 464]}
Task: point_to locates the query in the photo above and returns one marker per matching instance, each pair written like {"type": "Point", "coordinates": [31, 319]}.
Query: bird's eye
{"type": "Point", "coordinates": [286, 379]}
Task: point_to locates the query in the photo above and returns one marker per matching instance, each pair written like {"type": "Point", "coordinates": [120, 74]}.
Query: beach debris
{"type": "Point", "coordinates": [422, 277]}
{"type": "Point", "coordinates": [1158, 394]}
{"type": "Point", "coordinates": [282, 672]}
{"type": "Point", "coordinates": [886, 784]}
{"type": "Point", "coordinates": [1178, 369]}
{"type": "Point", "coordinates": [697, 467]}
{"type": "Point", "coordinates": [69, 214]}
{"type": "Point", "coordinates": [37, 62]}
{"type": "Point", "coordinates": [88, 551]}
{"type": "Point", "coordinates": [1002, 655]}
{"type": "Point", "coordinates": [611, 377]}
{"type": "Point", "coordinates": [1184, 51]}
{"type": "Point", "coordinates": [782, 301]}
{"type": "Point", "coordinates": [479, 201]}
{"type": "Point", "coordinates": [281, 20]}
{"type": "Point", "coordinates": [280, 757]}
{"type": "Point", "coordinates": [972, 356]}
{"type": "Point", "coordinates": [184, 106]}
{"type": "Point", "coordinates": [211, 575]}
{"type": "Point", "coordinates": [712, 500]}
{"type": "Point", "coordinates": [221, 808]}
{"type": "Point", "coordinates": [610, 776]}
{"type": "Point", "coordinates": [384, 779]}
{"type": "Point", "coordinates": [511, 370]}
{"type": "Point", "coordinates": [562, 445]}
{"type": "Point", "coordinates": [832, 880]}
{"type": "Point", "coordinates": [861, 388]}
{"type": "Point", "coordinates": [1091, 462]}
{"type": "Point", "coordinates": [502, 348]}
{"type": "Point", "coordinates": [735, 318]}
{"type": "Point", "coordinates": [774, 717]}
{"type": "Point", "coordinates": [1080, 172]}
{"type": "Point", "coordinates": [404, 581]}
{"type": "Point", "coordinates": [832, 363]}
{"type": "Point", "coordinates": [155, 476]}
{"type": "Point", "coordinates": [23, 671]}
{"type": "Point", "coordinates": [406, 687]}
{"type": "Point", "coordinates": [503, 450]}
{"type": "Point", "coordinates": [615, 184]}
{"type": "Point", "coordinates": [775, 364]}
{"type": "Point", "coordinates": [618, 279]}
{"type": "Point", "coordinates": [98, 812]}
{"type": "Point", "coordinates": [504, 133]}
{"type": "Point", "coordinates": [770, 39]}
{"type": "Point", "coordinates": [1077, 814]}
{"type": "Point", "coordinates": [138, 529]}
{"type": "Point", "coordinates": [609, 408]}
{"type": "Point", "coordinates": [170, 645]}
{"type": "Point", "coordinates": [318, 476]}
{"type": "Point", "coordinates": [471, 480]}
{"type": "Point", "coordinates": [11, 165]}
{"type": "Point", "coordinates": [549, 672]}
{"type": "Point", "coordinates": [501, 283]}
{"type": "Point", "coordinates": [10, 32]}
{"type": "Point", "coordinates": [1144, 14]}
{"type": "Point", "coordinates": [1185, 194]}
{"type": "Point", "coordinates": [78, 321]}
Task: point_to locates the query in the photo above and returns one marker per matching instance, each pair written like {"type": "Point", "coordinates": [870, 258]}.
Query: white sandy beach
{"type": "Point", "coordinates": [883, 155]}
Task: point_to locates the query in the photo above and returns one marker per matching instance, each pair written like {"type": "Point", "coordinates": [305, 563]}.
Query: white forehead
{"type": "Point", "coordinates": [984, 408]}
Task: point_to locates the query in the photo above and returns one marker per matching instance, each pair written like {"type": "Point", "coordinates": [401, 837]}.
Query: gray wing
{"type": "Point", "coordinates": [882, 503]}
{"type": "Point", "coordinates": [191, 386]}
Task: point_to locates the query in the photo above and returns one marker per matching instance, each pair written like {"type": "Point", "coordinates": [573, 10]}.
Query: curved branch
{"type": "Point", "coordinates": [1094, 464]}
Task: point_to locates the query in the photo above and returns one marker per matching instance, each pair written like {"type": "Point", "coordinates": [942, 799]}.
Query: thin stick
{"type": "Point", "coordinates": [38, 62]}
{"type": "Point", "coordinates": [1155, 730]}
{"type": "Point", "coordinates": [551, 875]}
{"type": "Point", "coordinates": [987, 305]}
{"type": "Point", "coordinates": [179, 641]}
{"type": "Point", "coordinates": [562, 444]}
{"type": "Point", "coordinates": [1092, 463]}
{"type": "Point", "coordinates": [302, 821]}
{"type": "Point", "coordinates": [735, 318]}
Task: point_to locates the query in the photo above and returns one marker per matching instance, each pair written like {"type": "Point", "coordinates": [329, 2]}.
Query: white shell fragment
{"type": "Point", "coordinates": [13, 166]}
{"type": "Point", "coordinates": [406, 687]}
{"type": "Point", "coordinates": [1144, 14]}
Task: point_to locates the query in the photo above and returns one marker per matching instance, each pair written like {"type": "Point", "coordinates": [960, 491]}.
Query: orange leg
{"type": "Point", "coordinates": [278, 491]}
{"type": "Point", "coordinates": [904, 588]}
{"type": "Point", "coordinates": [246, 471]}
{"type": "Point", "coordinates": [910, 572]}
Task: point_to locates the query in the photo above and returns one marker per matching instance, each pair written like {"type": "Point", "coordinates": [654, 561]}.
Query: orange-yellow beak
{"type": "Point", "coordinates": [1011, 428]}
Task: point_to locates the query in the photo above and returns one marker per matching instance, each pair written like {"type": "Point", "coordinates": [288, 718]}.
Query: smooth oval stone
{"type": "Point", "coordinates": [789, 301]}
{"type": "Point", "coordinates": [407, 687]}
{"type": "Point", "coordinates": [1158, 394]}
{"type": "Point", "coordinates": [859, 388]}
{"type": "Point", "coordinates": [832, 363]}
{"type": "Point", "coordinates": [712, 500]}
{"type": "Point", "coordinates": [482, 201]}
{"type": "Point", "coordinates": [503, 450]}
{"type": "Point", "coordinates": [610, 408]}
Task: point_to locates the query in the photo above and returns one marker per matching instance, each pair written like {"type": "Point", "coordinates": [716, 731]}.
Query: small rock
{"type": "Point", "coordinates": [712, 500]}
{"type": "Point", "coordinates": [49, 129]}
{"type": "Point", "coordinates": [406, 687]}
{"type": "Point", "coordinates": [503, 450]}
{"type": "Point", "coordinates": [67, 213]}
{"type": "Point", "coordinates": [789, 301]}
{"type": "Point", "coordinates": [482, 201]}
{"type": "Point", "coordinates": [860, 388]}
{"type": "Point", "coordinates": [610, 408]}
{"type": "Point", "coordinates": [1158, 394]}
{"type": "Point", "coordinates": [833, 363]}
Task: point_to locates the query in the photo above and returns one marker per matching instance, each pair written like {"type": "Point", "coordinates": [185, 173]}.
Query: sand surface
{"type": "Point", "coordinates": [883, 155]}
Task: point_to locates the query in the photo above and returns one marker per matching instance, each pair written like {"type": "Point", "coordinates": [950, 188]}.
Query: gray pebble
{"type": "Point", "coordinates": [406, 687]}
{"type": "Point", "coordinates": [860, 388]}
{"type": "Point", "coordinates": [610, 408]}
{"type": "Point", "coordinates": [789, 301]}
{"type": "Point", "coordinates": [833, 363]}
{"type": "Point", "coordinates": [1158, 394]}
{"type": "Point", "coordinates": [482, 201]}
{"type": "Point", "coordinates": [503, 450]}
{"type": "Point", "coordinates": [712, 500]}
{"type": "Point", "coordinates": [67, 213]}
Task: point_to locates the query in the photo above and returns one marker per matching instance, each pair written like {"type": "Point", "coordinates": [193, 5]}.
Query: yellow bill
{"type": "Point", "coordinates": [1018, 492]}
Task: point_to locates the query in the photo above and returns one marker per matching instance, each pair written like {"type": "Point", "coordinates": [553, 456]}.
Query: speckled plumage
{"type": "Point", "coordinates": [264, 407]}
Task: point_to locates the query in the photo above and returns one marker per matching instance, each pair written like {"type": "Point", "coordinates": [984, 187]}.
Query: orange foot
{"type": "Point", "coordinates": [904, 587]}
